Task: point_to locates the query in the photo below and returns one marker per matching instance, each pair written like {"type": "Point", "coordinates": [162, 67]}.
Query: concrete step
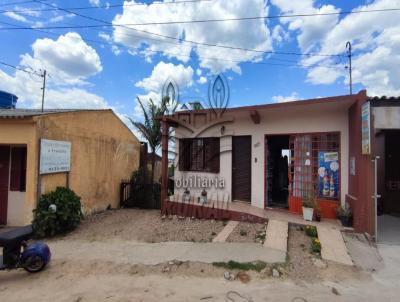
{"type": "Point", "coordinates": [226, 231]}
{"type": "Point", "coordinates": [277, 235]}
{"type": "Point", "coordinates": [333, 247]}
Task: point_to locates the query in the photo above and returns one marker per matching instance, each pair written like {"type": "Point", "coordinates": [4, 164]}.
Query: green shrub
{"type": "Point", "coordinates": [311, 231]}
{"type": "Point", "coordinates": [57, 212]}
{"type": "Point", "coordinates": [316, 246]}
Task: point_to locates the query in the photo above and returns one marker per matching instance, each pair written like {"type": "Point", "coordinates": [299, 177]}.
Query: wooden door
{"type": "Point", "coordinates": [4, 179]}
{"type": "Point", "coordinates": [241, 168]}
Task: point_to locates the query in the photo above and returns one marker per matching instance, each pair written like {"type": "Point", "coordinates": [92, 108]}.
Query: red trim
{"type": "Point", "coordinates": [294, 203]}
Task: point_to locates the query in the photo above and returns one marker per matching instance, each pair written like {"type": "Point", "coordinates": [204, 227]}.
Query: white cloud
{"type": "Point", "coordinates": [375, 39]}
{"type": "Point", "coordinates": [68, 59]}
{"type": "Point", "coordinates": [116, 50]}
{"type": "Point", "coordinates": [64, 57]}
{"type": "Point", "coordinates": [279, 34]}
{"type": "Point", "coordinates": [246, 34]}
{"type": "Point", "coordinates": [183, 77]}
{"type": "Point", "coordinates": [16, 17]}
{"type": "Point", "coordinates": [311, 29]}
{"type": "Point", "coordinates": [294, 96]}
{"type": "Point", "coordinates": [94, 2]}
{"type": "Point", "coordinates": [104, 36]}
{"type": "Point", "coordinates": [202, 80]}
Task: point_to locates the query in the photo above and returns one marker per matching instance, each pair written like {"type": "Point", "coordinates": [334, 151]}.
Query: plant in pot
{"type": "Point", "coordinates": [345, 215]}
{"type": "Point", "coordinates": [317, 210]}
{"type": "Point", "coordinates": [308, 208]}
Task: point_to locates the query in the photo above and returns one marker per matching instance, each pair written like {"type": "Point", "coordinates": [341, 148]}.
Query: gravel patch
{"type": "Point", "coordinates": [247, 232]}
{"type": "Point", "coordinates": [145, 226]}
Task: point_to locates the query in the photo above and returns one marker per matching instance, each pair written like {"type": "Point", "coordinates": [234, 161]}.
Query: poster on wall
{"type": "Point", "coordinates": [55, 156]}
{"type": "Point", "coordinates": [328, 173]}
{"type": "Point", "coordinates": [366, 129]}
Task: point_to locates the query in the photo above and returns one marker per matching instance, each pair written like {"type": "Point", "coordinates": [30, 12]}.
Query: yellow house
{"type": "Point", "coordinates": [98, 147]}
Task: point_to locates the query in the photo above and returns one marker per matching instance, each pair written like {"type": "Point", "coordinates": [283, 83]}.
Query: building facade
{"type": "Point", "coordinates": [102, 152]}
{"type": "Point", "coordinates": [276, 155]}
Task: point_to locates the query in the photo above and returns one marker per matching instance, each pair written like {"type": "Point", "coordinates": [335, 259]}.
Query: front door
{"type": "Point", "coordinates": [4, 177]}
{"type": "Point", "coordinates": [241, 168]}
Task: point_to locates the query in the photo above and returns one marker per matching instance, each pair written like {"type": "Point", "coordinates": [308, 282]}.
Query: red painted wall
{"type": "Point", "coordinates": [361, 185]}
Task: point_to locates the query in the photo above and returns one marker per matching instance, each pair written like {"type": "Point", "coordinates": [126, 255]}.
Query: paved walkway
{"type": "Point", "coordinates": [226, 231]}
{"type": "Point", "coordinates": [156, 253]}
{"type": "Point", "coordinates": [333, 247]}
{"type": "Point", "coordinates": [277, 235]}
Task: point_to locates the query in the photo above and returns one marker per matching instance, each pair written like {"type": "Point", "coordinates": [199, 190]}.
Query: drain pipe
{"type": "Point", "coordinates": [376, 195]}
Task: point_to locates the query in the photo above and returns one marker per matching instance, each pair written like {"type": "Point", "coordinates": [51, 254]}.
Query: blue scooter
{"type": "Point", "coordinates": [18, 253]}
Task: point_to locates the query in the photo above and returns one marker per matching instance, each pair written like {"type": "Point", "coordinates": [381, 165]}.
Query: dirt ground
{"type": "Point", "coordinates": [72, 279]}
{"type": "Point", "coordinates": [301, 261]}
{"type": "Point", "coordinates": [246, 232]}
{"type": "Point", "coordinates": [145, 226]}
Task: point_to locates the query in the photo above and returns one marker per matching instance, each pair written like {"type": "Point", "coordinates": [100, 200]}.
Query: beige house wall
{"type": "Point", "coordinates": [103, 151]}
{"type": "Point", "coordinates": [300, 119]}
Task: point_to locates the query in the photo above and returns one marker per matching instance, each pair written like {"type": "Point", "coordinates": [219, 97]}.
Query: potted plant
{"type": "Point", "coordinates": [317, 210]}
{"type": "Point", "coordinates": [308, 208]}
{"type": "Point", "coordinates": [186, 195]}
{"type": "Point", "coordinates": [345, 215]}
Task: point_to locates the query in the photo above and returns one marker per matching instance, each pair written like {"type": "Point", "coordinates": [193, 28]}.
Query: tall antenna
{"type": "Point", "coordinates": [44, 87]}
{"type": "Point", "coordinates": [348, 47]}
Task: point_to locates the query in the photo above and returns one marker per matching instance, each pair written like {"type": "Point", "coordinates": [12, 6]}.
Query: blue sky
{"type": "Point", "coordinates": [110, 66]}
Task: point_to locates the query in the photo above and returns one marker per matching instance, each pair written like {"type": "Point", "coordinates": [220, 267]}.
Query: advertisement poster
{"type": "Point", "coordinates": [328, 172]}
{"type": "Point", "coordinates": [55, 156]}
{"type": "Point", "coordinates": [366, 128]}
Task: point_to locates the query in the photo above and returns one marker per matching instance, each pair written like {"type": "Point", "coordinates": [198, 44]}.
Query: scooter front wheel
{"type": "Point", "coordinates": [34, 264]}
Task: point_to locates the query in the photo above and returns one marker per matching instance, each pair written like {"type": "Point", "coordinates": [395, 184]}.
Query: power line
{"type": "Point", "coordinates": [18, 68]}
{"type": "Point", "coordinates": [179, 40]}
{"type": "Point", "coordinates": [200, 57]}
{"type": "Point", "coordinates": [207, 20]}
{"type": "Point", "coordinates": [15, 3]}
{"type": "Point", "coordinates": [104, 6]}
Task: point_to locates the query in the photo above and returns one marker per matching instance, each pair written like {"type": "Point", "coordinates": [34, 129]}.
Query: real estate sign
{"type": "Point", "coordinates": [366, 129]}
{"type": "Point", "coordinates": [55, 156]}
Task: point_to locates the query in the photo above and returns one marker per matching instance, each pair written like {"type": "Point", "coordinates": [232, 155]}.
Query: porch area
{"type": "Point", "coordinates": [237, 211]}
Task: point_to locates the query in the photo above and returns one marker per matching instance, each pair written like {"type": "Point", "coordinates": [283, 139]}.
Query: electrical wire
{"type": "Point", "coordinates": [191, 57]}
{"type": "Point", "coordinates": [18, 68]}
{"type": "Point", "coordinates": [179, 40]}
{"type": "Point", "coordinates": [104, 6]}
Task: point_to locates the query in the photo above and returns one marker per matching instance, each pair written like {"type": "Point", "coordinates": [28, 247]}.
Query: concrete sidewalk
{"type": "Point", "coordinates": [155, 253]}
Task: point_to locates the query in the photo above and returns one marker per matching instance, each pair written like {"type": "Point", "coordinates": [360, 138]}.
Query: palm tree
{"type": "Point", "coordinates": [150, 128]}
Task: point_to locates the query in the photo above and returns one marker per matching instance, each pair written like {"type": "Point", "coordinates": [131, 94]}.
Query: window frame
{"type": "Point", "coordinates": [190, 149]}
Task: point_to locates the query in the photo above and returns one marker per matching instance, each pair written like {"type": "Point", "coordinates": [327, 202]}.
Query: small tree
{"type": "Point", "coordinates": [150, 128]}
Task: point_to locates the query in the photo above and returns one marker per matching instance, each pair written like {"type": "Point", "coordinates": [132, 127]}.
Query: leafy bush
{"type": "Point", "coordinates": [57, 212]}
{"type": "Point", "coordinates": [311, 231]}
{"type": "Point", "coordinates": [316, 246]}
{"type": "Point", "coordinates": [344, 212]}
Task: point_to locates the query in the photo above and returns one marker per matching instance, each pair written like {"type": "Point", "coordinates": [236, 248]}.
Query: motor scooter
{"type": "Point", "coordinates": [18, 253]}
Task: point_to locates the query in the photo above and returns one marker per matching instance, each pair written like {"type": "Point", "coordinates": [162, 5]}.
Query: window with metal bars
{"type": "Point", "coordinates": [305, 152]}
{"type": "Point", "coordinates": [199, 154]}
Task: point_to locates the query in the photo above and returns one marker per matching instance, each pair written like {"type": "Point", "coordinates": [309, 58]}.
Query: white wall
{"type": "Point", "coordinates": [291, 120]}
{"type": "Point", "coordinates": [15, 210]}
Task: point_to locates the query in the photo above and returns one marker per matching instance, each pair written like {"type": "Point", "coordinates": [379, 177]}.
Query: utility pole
{"type": "Point", "coordinates": [43, 88]}
{"type": "Point", "coordinates": [348, 47]}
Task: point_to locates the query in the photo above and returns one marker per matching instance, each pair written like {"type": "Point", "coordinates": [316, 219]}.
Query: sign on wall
{"type": "Point", "coordinates": [55, 156]}
{"type": "Point", "coordinates": [328, 172]}
{"type": "Point", "coordinates": [366, 129]}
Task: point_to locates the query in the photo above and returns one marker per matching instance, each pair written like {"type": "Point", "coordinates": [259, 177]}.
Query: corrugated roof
{"type": "Point", "coordinates": [24, 113]}
{"type": "Point", "coordinates": [385, 101]}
